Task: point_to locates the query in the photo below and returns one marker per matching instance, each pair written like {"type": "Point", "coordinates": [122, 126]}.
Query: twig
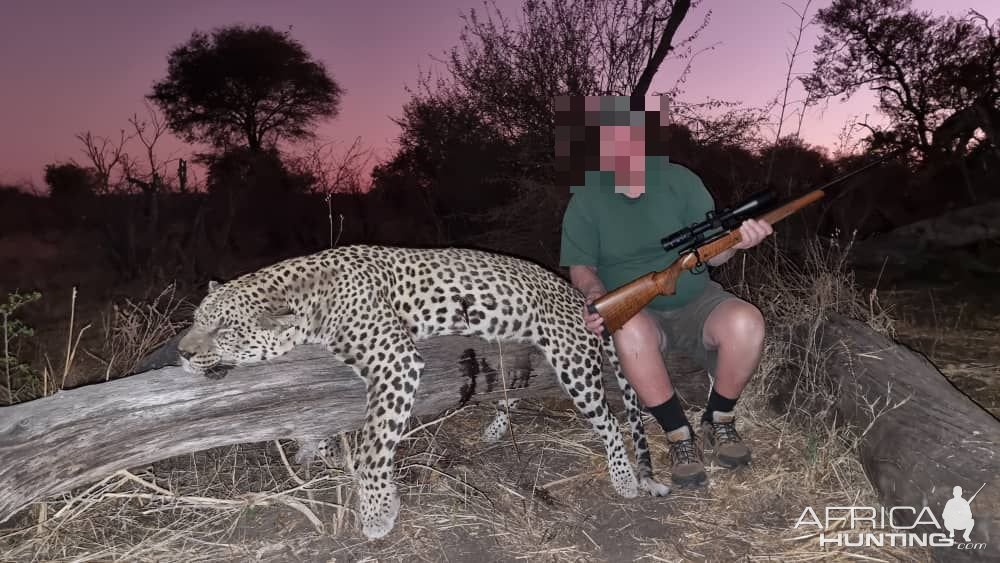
{"type": "Point", "coordinates": [288, 467]}
{"type": "Point", "coordinates": [437, 420]}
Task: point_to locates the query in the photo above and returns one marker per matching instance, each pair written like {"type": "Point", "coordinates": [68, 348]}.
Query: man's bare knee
{"type": "Point", "coordinates": [736, 322]}
{"type": "Point", "coordinates": [640, 333]}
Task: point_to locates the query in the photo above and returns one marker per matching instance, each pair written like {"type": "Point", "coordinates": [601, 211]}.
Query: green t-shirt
{"type": "Point", "coordinates": [621, 236]}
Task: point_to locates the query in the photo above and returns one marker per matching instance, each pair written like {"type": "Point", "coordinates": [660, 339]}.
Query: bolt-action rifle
{"type": "Point", "coordinates": [700, 243]}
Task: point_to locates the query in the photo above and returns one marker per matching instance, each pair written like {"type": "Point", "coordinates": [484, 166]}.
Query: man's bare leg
{"type": "Point", "coordinates": [640, 353]}
{"type": "Point", "coordinates": [735, 329]}
{"type": "Point", "coordinates": [638, 347]}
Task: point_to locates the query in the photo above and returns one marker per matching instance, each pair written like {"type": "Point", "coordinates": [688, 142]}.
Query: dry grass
{"type": "Point", "coordinates": [956, 328]}
{"type": "Point", "coordinates": [546, 499]}
{"type": "Point", "coordinates": [134, 329]}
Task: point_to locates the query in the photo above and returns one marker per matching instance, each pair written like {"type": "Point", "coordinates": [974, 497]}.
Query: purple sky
{"type": "Point", "coordinates": [70, 67]}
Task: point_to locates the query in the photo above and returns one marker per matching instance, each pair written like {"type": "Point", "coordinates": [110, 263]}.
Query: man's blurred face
{"type": "Point", "coordinates": [623, 149]}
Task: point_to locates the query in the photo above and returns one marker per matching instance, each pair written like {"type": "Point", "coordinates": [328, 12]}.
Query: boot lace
{"type": "Point", "coordinates": [683, 452]}
{"type": "Point", "coordinates": [725, 432]}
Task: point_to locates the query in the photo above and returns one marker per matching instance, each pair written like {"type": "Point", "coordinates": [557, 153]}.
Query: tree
{"type": "Point", "coordinates": [454, 163]}
{"type": "Point", "coordinates": [148, 132]}
{"type": "Point", "coordinates": [69, 180]}
{"type": "Point", "coordinates": [969, 84]}
{"type": "Point", "coordinates": [106, 156]}
{"type": "Point", "coordinates": [922, 67]}
{"type": "Point", "coordinates": [563, 47]}
{"type": "Point", "coordinates": [244, 86]}
{"type": "Point", "coordinates": [495, 109]}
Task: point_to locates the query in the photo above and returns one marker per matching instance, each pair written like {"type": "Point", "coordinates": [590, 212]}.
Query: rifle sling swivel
{"type": "Point", "coordinates": [699, 265]}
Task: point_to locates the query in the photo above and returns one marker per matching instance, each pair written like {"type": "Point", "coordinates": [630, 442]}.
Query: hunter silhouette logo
{"type": "Point", "coordinates": [903, 526]}
{"type": "Point", "coordinates": [957, 514]}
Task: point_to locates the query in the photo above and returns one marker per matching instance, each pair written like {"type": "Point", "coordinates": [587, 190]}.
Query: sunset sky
{"type": "Point", "coordinates": [69, 67]}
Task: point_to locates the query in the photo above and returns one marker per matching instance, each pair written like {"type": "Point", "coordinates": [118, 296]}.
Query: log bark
{"type": "Point", "coordinates": [920, 435]}
{"type": "Point", "coordinates": [79, 436]}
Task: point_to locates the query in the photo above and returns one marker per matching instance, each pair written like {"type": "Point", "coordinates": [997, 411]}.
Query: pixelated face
{"type": "Point", "coordinates": [232, 327]}
{"type": "Point", "coordinates": [623, 149]}
{"type": "Point", "coordinates": [619, 125]}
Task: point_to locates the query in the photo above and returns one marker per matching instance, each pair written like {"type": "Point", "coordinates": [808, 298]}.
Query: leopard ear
{"type": "Point", "coordinates": [213, 285]}
{"type": "Point", "coordinates": [276, 320]}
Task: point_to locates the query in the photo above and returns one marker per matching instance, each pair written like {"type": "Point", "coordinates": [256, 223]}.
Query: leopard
{"type": "Point", "coordinates": [370, 304]}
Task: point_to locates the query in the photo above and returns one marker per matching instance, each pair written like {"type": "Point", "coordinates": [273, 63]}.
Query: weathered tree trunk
{"type": "Point", "coordinates": [677, 13]}
{"type": "Point", "coordinates": [80, 436]}
{"type": "Point", "coordinates": [921, 435]}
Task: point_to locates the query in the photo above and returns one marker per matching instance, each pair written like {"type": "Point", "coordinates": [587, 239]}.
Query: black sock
{"type": "Point", "coordinates": [717, 402]}
{"type": "Point", "coordinates": [670, 415]}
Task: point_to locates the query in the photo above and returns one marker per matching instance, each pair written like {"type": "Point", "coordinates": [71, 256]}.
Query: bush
{"type": "Point", "coordinates": [20, 379]}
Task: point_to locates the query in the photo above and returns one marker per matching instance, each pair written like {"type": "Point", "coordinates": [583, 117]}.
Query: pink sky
{"type": "Point", "coordinates": [70, 67]}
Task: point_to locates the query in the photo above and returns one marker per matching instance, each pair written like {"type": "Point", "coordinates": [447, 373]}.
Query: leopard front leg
{"type": "Point", "coordinates": [392, 373]}
{"type": "Point", "coordinates": [390, 402]}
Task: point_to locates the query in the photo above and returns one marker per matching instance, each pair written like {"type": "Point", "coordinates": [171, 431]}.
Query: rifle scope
{"type": "Point", "coordinates": [728, 219]}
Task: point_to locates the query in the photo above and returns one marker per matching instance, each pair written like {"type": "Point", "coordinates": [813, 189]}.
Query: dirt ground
{"type": "Point", "coordinates": [541, 494]}
{"type": "Point", "coordinates": [955, 322]}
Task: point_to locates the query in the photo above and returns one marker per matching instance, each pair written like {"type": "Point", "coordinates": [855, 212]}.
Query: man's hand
{"type": "Point", "coordinates": [594, 321]}
{"type": "Point", "coordinates": [752, 233]}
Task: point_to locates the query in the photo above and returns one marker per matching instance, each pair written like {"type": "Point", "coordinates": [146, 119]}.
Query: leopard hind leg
{"type": "Point", "coordinates": [501, 422]}
{"type": "Point", "coordinates": [578, 369]}
{"type": "Point", "coordinates": [633, 412]}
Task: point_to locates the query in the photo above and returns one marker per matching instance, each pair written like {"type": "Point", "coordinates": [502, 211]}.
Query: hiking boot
{"type": "Point", "coordinates": [687, 469]}
{"type": "Point", "coordinates": [720, 435]}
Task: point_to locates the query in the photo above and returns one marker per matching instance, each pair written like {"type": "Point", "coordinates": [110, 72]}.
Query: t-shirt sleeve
{"type": "Point", "coordinates": [580, 238]}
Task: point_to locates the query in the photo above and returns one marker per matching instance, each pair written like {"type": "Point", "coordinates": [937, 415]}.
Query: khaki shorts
{"type": "Point", "coordinates": [681, 329]}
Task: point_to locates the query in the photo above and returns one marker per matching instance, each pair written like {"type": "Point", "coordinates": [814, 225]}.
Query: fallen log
{"type": "Point", "coordinates": [80, 436]}
{"type": "Point", "coordinates": [919, 435]}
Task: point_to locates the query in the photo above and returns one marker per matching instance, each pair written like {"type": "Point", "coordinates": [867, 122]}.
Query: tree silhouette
{"type": "Point", "coordinates": [69, 180]}
{"type": "Point", "coordinates": [479, 139]}
{"type": "Point", "coordinates": [923, 68]}
{"type": "Point", "coordinates": [244, 86]}
{"type": "Point", "coordinates": [562, 47]}
{"type": "Point", "coordinates": [457, 164]}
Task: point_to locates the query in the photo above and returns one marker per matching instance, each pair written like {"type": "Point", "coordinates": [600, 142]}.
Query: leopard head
{"type": "Point", "coordinates": [236, 324]}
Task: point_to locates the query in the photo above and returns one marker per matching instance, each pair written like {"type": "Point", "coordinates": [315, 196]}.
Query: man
{"type": "Point", "coordinates": [611, 235]}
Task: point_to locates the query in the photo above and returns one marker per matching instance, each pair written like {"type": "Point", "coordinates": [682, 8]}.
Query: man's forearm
{"type": "Point", "coordinates": [722, 258]}
{"type": "Point", "coordinates": [586, 280]}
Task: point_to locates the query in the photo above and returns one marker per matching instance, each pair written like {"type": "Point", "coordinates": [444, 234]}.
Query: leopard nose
{"type": "Point", "coordinates": [185, 354]}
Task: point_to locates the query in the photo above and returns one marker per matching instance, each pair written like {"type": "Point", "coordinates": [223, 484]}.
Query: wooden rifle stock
{"type": "Point", "coordinates": [620, 305]}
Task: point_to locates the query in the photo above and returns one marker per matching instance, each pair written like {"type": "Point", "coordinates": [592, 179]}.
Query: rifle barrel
{"type": "Point", "coordinates": [787, 209]}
